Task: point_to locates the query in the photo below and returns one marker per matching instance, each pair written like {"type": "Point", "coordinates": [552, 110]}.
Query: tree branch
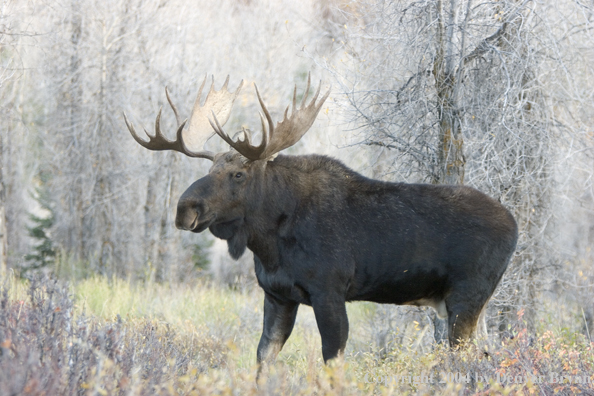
{"type": "Point", "coordinates": [485, 45]}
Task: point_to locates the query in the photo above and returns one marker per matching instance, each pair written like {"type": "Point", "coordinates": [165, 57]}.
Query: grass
{"type": "Point", "coordinates": [108, 336]}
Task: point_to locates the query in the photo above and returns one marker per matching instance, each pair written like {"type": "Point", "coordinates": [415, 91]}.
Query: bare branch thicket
{"type": "Point", "coordinates": [5, 76]}
{"type": "Point", "coordinates": [115, 202]}
{"type": "Point", "coordinates": [84, 92]}
{"type": "Point", "coordinates": [469, 92]}
{"type": "Point", "coordinates": [569, 37]}
{"type": "Point", "coordinates": [16, 167]}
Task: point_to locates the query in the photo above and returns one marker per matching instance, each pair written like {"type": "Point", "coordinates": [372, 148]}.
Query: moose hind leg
{"type": "Point", "coordinates": [461, 326]}
{"type": "Point", "coordinates": [463, 315]}
{"type": "Point", "coordinates": [333, 323]}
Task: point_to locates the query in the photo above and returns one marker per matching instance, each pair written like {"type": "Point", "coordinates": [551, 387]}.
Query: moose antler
{"type": "Point", "coordinates": [199, 129]}
{"type": "Point", "coordinates": [286, 133]}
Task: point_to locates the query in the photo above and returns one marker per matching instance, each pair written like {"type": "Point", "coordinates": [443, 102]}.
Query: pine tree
{"type": "Point", "coordinates": [44, 253]}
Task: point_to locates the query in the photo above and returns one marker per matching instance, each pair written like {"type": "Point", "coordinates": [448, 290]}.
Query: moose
{"type": "Point", "coordinates": [323, 235]}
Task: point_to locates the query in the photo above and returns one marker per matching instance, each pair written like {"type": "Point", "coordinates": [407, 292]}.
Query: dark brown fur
{"type": "Point", "coordinates": [322, 235]}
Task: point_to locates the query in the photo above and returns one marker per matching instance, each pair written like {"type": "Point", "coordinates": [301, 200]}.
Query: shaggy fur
{"type": "Point", "coordinates": [322, 235]}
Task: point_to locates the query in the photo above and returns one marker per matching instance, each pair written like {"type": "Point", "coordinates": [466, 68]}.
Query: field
{"type": "Point", "coordinates": [101, 293]}
{"type": "Point", "coordinates": [107, 336]}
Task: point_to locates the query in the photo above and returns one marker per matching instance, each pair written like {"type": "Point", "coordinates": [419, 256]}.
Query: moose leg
{"type": "Point", "coordinates": [463, 315]}
{"type": "Point", "coordinates": [333, 324]}
{"type": "Point", "coordinates": [279, 318]}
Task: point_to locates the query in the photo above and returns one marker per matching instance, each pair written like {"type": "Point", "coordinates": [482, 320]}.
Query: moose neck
{"type": "Point", "coordinates": [284, 193]}
{"type": "Point", "coordinates": [274, 199]}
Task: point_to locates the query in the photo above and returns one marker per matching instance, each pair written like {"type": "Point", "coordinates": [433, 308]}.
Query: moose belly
{"type": "Point", "coordinates": [414, 286]}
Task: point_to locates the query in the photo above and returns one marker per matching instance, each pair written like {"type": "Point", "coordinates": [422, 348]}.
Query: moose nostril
{"type": "Point", "coordinates": [198, 207]}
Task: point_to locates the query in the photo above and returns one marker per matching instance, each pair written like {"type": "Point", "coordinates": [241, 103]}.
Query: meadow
{"type": "Point", "coordinates": [100, 336]}
{"type": "Point", "coordinates": [496, 95]}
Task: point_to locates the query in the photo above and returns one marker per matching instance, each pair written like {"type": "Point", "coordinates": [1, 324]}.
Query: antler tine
{"type": "Point", "coordinates": [225, 84]}
{"type": "Point", "coordinates": [244, 147]}
{"type": "Point", "coordinates": [219, 130]}
{"type": "Point", "coordinates": [266, 112]}
{"type": "Point", "coordinates": [247, 135]}
{"type": "Point", "coordinates": [158, 134]}
{"type": "Point", "coordinates": [318, 92]}
{"type": "Point", "coordinates": [179, 138]}
{"type": "Point", "coordinates": [177, 119]}
{"type": "Point", "coordinates": [265, 131]}
{"type": "Point", "coordinates": [294, 108]}
{"type": "Point", "coordinates": [202, 86]}
{"type": "Point", "coordinates": [315, 97]}
{"type": "Point", "coordinates": [306, 90]}
{"type": "Point", "coordinates": [133, 132]}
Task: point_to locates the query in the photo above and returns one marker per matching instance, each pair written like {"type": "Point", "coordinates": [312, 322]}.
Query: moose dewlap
{"type": "Point", "coordinates": [322, 234]}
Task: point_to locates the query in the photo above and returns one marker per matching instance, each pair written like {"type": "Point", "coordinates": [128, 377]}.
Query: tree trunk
{"type": "Point", "coordinates": [450, 158]}
{"type": "Point", "coordinates": [76, 241]}
{"type": "Point", "coordinates": [451, 162]}
{"type": "Point", "coordinates": [165, 267]}
{"type": "Point", "coordinates": [150, 252]}
{"type": "Point", "coordinates": [3, 244]}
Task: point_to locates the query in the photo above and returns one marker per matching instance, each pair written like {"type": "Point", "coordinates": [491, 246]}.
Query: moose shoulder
{"type": "Point", "coordinates": [323, 234]}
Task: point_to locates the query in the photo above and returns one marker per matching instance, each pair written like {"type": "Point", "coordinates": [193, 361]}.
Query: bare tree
{"type": "Point", "coordinates": [115, 203]}
{"type": "Point", "coordinates": [5, 75]}
{"type": "Point", "coordinates": [3, 79]}
{"type": "Point", "coordinates": [13, 134]}
{"type": "Point", "coordinates": [84, 69]}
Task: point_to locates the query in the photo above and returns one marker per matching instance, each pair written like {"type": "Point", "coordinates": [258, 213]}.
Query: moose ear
{"type": "Point", "coordinates": [245, 160]}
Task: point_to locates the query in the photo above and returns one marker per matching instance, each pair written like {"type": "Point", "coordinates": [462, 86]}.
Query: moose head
{"type": "Point", "coordinates": [218, 200]}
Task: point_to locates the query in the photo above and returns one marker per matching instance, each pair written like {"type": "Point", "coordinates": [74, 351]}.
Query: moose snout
{"type": "Point", "coordinates": [193, 213]}
{"type": "Point", "coordinates": [188, 214]}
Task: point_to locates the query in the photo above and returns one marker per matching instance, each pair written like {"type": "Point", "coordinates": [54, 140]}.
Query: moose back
{"type": "Point", "coordinates": [323, 234]}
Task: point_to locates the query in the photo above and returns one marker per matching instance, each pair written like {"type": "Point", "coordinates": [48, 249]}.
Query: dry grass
{"type": "Point", "coordinates": [102, 336]}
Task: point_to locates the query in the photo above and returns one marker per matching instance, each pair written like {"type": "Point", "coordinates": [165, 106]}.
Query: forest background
{"type": "Point", "coordinates": [496, 95]}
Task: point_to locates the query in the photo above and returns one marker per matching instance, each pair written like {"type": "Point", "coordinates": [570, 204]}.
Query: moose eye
{"type": "Point", "coordinates": [238, 175]}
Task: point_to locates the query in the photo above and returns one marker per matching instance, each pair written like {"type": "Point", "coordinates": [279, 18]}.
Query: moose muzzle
{"type": "Point", "coordinates": [193, 213]}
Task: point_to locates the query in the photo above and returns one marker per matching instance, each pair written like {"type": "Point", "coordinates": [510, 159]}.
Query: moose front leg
{"type": "Point", "coordinates": [279, 318]}
{"type": "Point", "coordinates": [333, 323]}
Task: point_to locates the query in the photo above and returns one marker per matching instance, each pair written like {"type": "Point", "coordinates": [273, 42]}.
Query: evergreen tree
{"type": "Point", "coordinates": [44, 253]}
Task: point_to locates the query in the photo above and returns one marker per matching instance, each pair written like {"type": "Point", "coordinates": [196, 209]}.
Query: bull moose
{"type": "Point", "coordinates": [323, 234]}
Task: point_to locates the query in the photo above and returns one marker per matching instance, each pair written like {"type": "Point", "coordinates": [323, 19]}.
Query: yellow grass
{"type": "Point", "coordinates": [221, 328]}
